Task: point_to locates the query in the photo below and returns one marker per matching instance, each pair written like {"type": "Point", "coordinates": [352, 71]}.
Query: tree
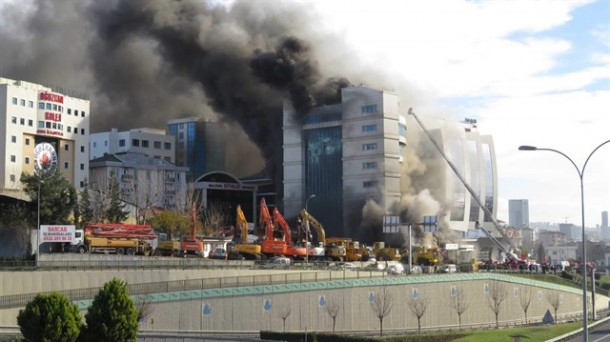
{"type": "Point", "coordinates": [332, 308]}
{"type": "Point", "coordinates": [284, 313]}
{"type": "Point", "coordinates": [14, 230]}
{"type": "Point", "coordinates": [171, 223]}
{"type": "Point", "coordinates": [216, 218]}
{"type": "Point", "coordinates": [85, 207]}
{"type": "Point", "coordinates": [382, 306]}
{"type": "Point", "coordinates": [115, 212]}
{"type": "Point", "coordinates": [144, 308]}
{"type": "Point", "coordinates": [555, 299]}
{"type": "Point", "coordinates": [112, 315]}
{"type": "Point", "coordinates": [525, 299]}
{"type": "Point", "coordinates": [495, 298]}
{"type": "Point", "coordinates": [459, 303]}
{"type": "Point", "coordinates": [58, 198]}
{"type": "Point", "coordinates": [50, 317]}
{"type": "Point", "coordinates": [418, 308]}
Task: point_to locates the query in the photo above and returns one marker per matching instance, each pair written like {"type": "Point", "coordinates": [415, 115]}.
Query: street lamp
{"type": "Point", "coordinates": [38, 226]}
{"type": "Point", "coordinates": [581, 173]}
{"type": "Point", "coordinates": [307, 232]}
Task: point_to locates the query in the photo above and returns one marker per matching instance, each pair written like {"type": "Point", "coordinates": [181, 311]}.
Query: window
{"type": "Point", "coordinates": [54, 107]}
{"type": "Point", "coordinates": [41, 105]}
{"type": "Point", "coordinates": [69, 111]}
{"type": "Point", "coordinates": [369, 184]}
{"type": "Point", "coordinates": [105, 142]}
{"type": "Point", "coordinates": [48, 124]}
{"type": "Point", "coordinates": [69, 129]}
{"type": "Point", "coordinates": [30, 123]}
{"type": "Point", "coordinates": [135, 142]}
{"type": "Point", "coordinates": [27, 141]}
{"type": "Point", "coordinates": [168, 146]}
{"type": "Point", "coordinates": [61, 109]}
{"type": "Point", "coordinates": [368, 147]}
{"type": "Point", "coordinates": [40, 124]}
{"type": "Point", "coordinates": [94, 144]}
{"type": "Point", "coordinates": [144, 143]}
{"type": "Point", "coordinates": [27, 160]}
{"type": "Point", "coordinates": [122, 143]}
{"type": "Point", "coordinates": [167, 159]}
{"type": "Point", "coordinates": [14, 100]}
{"type": "Point", "coordinates": [22, 121]}
{"type": "Point", "coordinates": [181, 126]}
{"type": "Point", "coordinates": [66, 165]}
{"type": "Point", "coordinates": [369, 165]}
{"type": "Point", "coordinates": [31, 104]}
{"type": "Point", "coordinates": [66, 147]}
{"type": "Point", "coordinates": [82, 149]}
{"type": "Point", "coordinates": [82, 184]}
{"type": "Point", "coordinates": [54, 125]}
{"type": "Point", "coordinates": [180, 135]}
{"type": "Point", "coordinates": [369, 128]}
{"type": "Point", "coordinates": [75, 130]}
{"type": "Point", "coordinates": [157, 144]}
{"type": "Point", "coordinates": [82, 113]}
{"type": "Point", "coordinates": [22, 103]}
{"type": "Point", "coordinates": [369, 109]}
{"type": "Point", "coordinates": [13, 158]}
{"type": "Point", "coordinates": [49, 106]}
{"type": "Point", "coordinates": [14, 119]}
{"type": "Point", "coordinates": [76, 112]}
{"type": "Point", "coordinates": [13, 139]}
{"type": "Point", "coordinates": [82, 166]}
{"type": "Point", "coordinates": [82, 131]}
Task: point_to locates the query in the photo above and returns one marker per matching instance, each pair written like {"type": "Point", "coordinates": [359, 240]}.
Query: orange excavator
{"type": "Point", "coordinates": [188, 245]}
{"type": "Point", "coordinates": [292, 251]}
{"type": "Point", "coordinates": [270, 246]}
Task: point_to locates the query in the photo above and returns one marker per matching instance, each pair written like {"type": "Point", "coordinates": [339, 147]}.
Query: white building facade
{"type": "Point", "coordinates": [150, 141]}
{"type": "Point", "coordinates": [32, 114]}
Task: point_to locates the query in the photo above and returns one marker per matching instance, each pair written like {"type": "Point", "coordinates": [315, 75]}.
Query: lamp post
{"type": "Point", "coordinates": [38, 226]}
{"type": "Point", "coordinates": [307, 232]}
{"type": "Point", "coordinates": [581, 172]}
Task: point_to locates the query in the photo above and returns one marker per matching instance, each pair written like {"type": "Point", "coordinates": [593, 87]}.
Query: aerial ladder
{"type": "Point", "coordinates": [513, 258]}
{"type": "Point", "coordinates": [292, 250]}
{"type": "Point", "coordinates": [243, 249]}
{"type": "Point", "coordinates": [270, 245]}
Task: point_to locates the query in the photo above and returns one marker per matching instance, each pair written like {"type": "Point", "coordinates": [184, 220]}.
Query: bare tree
{"type": "Point", "coordinates": [418, 308]}
{"type": "Point", "coordinates": [145, 193]}
{"type": "Point", "coordinates": [525, 299]}
{"type": "Point", "coordinates": [332, 307]}
{"type": "Point", "coordinates": [144, 308]}
{"type": "Point", "coordinates": [495, 298]}
{"type": "Point", "coordinates": [554, 298]}
{"type": "Point", "coordinates": [382, 306]}
{"type": "Point", "coordinates": [459, 303]}
{"type": "Point", "coordinates": [284, 313]}
{"type": "Point", "coordinates": [216, 218]}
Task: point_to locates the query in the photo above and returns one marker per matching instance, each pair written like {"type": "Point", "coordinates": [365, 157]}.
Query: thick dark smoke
{"type": "Point", "coordinates": [144, 62]}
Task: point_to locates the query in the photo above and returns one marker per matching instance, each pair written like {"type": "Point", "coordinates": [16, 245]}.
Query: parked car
{"type": "Point", "coordinates": [218, 253]}
{"type": "Point", "coordinates": [376, 266]}
{"type": "Point", "coordinates": [416, 269]}
{"type": "Point", "coordinates": [279, 262]}
{"type": "Point", "coordinates": [347, 266]}
{"type": "Point", "coordinates": [449, 268]}
{"type": "Point", "coordinates": [395, 269]}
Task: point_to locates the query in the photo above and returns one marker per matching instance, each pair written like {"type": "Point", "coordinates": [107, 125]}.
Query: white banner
{"type": "Point", "coordinates": [57, 233]}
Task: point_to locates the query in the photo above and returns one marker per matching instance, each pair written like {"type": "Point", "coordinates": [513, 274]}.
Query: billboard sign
{"type": "Point", "coordinates": [57, 233]}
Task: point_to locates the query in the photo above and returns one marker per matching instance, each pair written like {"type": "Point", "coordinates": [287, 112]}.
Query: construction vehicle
{"type": "Point", "coordinates": [352, 248]}
{"type": "Point", "coordinates": [242, 249]}
{"type": "Point", "coordinates": [292, 250]}
{"type": "Point", "coordinates": [330, 250]}
{"type": "Point", "coordinates": [513, 259]}
{"type": "Point", "coordinates": [427, 256]}
{"type": "Point", "coordinates": [383, 253]}
{"type": "Point", "coordinates": [188, 245]}
{"type": "Point", "coordinates": [119, 239]}
{"type": "Point", "coordinates": [271, 245]}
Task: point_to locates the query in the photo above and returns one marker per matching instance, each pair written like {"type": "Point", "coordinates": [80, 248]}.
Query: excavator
{"type": "Point", "coordinates": [292, 251]}
{"type": "Point", "coordinates": [330, 251]}
{"type": "Point", "coordinates": [243, 249]}
{"type": "Point", "coordinates": [270, 246]}
{"type": "Point", "coordinates": [188, 245]}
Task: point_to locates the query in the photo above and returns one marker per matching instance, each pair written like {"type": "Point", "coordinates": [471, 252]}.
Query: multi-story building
{"type": "Point", "coordinates": [145, 181]}
{"type": "Point", "coordinates": [557, 254]}
{"type": "Point", "coordinates": [200, 145]}
{"type": "Point", "coordinates": [571, 231]}
{"type": "Point", "coordinates": [518, 213]}
{"type": "Point", "coordinates": [604, 229]}
{"type": "Point", "coordinates": [551, 238]}
{"type": "Point", "coordinates": [33, 114]}
{"type": "Point", "coordinates": [150, 141]}
{"type": "Point", "coordinates": [353, 151]}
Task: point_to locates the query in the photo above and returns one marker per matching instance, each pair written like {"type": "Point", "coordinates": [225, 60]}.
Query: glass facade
{"type": "Point", "coordinates": [489, 180]}
{"type": "Point", "coordinates": [475, 182]}
{"type": "Point", "coordinates": [324, 169]}
{"type": "Point", "coordinates": [459, 192]}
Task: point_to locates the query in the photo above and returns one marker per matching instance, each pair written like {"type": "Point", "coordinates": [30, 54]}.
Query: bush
{"type": "Point", "coordinates": [50, 317]}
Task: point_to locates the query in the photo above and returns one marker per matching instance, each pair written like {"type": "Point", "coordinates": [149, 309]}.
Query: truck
{"type": "Point", "coordinates": [58, 239]}
{"type": "Point", "coordinates": [326, 251]}
{"type": "Point", "coordinates": [240, 248]}
{"type": "Point", "coordinates": [113, 238]}
{"type": "Point", "coordinates": [187, 245]}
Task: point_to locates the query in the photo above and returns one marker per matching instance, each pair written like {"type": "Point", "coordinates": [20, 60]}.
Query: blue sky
{"type": "Point", "coordinates": [531, 73]}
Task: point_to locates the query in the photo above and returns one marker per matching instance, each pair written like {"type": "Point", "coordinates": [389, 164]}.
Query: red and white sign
{"type": "Point", "coordinates": [51, 97]}
{"type": "Point", "coordinates": [57, 233]}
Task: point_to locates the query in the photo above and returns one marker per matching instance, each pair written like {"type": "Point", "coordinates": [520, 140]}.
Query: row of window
{"type": "Point", "coordinates": [13, 179]}
{"type": "Point", "coordinates": [22, 121]}
{"type": "Point", "coordinates": [145, 144]}
{"type": "Point", "coordinates": [47, 124]}
{"type": "Point", "coordinates": [369, 109]}
{"type": "Point", "coordinates": [27, 161]}
{"type": "Point", "coordinates": [369, 146]}
{"type": "Point", "coordinates": [22, 102]}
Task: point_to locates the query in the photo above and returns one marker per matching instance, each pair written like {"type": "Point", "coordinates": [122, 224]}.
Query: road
{"type": "Point", "coordinates": [597, 333]}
